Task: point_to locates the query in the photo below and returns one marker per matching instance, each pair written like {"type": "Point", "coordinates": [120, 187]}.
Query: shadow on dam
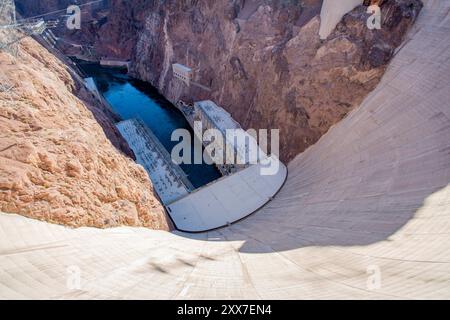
{"type": "Point", "coordinates": [324, 212]}
{"type": "Point", "coordinates": [381, 174]}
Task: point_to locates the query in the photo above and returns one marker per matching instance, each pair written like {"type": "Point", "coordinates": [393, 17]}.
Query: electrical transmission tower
{"type": "Point", "coordinates": [12, 31]}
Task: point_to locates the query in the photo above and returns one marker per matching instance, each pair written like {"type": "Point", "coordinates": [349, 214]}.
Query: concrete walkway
{"type": "Point", "coordinates": [370, 201]}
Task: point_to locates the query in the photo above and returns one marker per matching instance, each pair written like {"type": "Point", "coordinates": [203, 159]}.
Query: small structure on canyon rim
{"type": "Point", "coordinates": [182, 73]}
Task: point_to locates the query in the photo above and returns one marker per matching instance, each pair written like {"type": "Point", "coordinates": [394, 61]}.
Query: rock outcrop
{"type": "Point", "coordinates": [263, 60]}
{"type": "Point", "coordinates": [56, 161]}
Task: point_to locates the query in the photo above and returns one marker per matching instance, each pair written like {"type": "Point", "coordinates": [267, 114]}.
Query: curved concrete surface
{"type": "Point", "coordinates": [372, 195]}
{"type": "Point", "coordinates": [228, 199]}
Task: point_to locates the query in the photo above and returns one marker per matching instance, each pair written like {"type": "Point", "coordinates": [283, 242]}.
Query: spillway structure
{"type": "Point", "coordinates": [219, 203]}
{"type": "Point", "coordinates": [370, 199]}
{"type": "Point", "coordinates": [169, 181]}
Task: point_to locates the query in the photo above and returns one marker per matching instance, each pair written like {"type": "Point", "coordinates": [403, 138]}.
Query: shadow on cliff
{"type": "Point", "coordinates": [292, 221]}
{"type": "Point", "coordinates": [106, 118]}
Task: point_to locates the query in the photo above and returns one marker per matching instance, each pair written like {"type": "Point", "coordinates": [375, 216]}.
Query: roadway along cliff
{"type": "Point", "coordinates": [61, 158]}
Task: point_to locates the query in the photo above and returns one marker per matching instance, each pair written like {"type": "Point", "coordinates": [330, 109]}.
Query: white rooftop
{"type": "Point", "coordinates": [169, 181]}
{"type": "Point", "coordinates": [223, 121]}
{"type": "Point", "coordinates": [181, 67]}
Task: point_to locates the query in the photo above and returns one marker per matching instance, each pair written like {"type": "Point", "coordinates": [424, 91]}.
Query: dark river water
{"type": "Point", "coordinates": [132, 98]}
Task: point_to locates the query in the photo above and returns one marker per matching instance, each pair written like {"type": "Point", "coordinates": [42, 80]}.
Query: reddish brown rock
{"type": "Point", "coordinates": [56, 161]}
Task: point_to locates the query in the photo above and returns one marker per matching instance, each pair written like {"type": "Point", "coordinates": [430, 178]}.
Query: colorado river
{"type": "Point", "coordinates": [132, 98]}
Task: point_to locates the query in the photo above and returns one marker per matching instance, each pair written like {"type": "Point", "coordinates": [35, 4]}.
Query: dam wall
{"type": "Point", "coordinates": [372, 197]}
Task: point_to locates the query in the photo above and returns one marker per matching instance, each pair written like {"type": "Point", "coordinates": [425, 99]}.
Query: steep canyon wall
{"type": "Point", "coordinates": [263, 60]}
{"type": "Point", "coordinates": [61, 158]}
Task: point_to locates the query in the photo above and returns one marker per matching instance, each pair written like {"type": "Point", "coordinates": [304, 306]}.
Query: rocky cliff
{"type": "Point", "coordinates": [61, 158]}
{"type": "Point", "coordinates": [263, 60]}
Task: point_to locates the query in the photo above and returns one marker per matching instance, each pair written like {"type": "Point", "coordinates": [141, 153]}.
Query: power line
{"type": "Point", "coordinates": [27, 26]}
{"type": "Point", "coordinates": [61, 10]}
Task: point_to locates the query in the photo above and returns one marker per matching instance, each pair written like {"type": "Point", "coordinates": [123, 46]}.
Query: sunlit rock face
{"type": "Point", "coordinates": [61, 158]}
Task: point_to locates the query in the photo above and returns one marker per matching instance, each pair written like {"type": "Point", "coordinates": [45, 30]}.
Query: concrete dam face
{"type": "Point", "coordinates": [364, 213]}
